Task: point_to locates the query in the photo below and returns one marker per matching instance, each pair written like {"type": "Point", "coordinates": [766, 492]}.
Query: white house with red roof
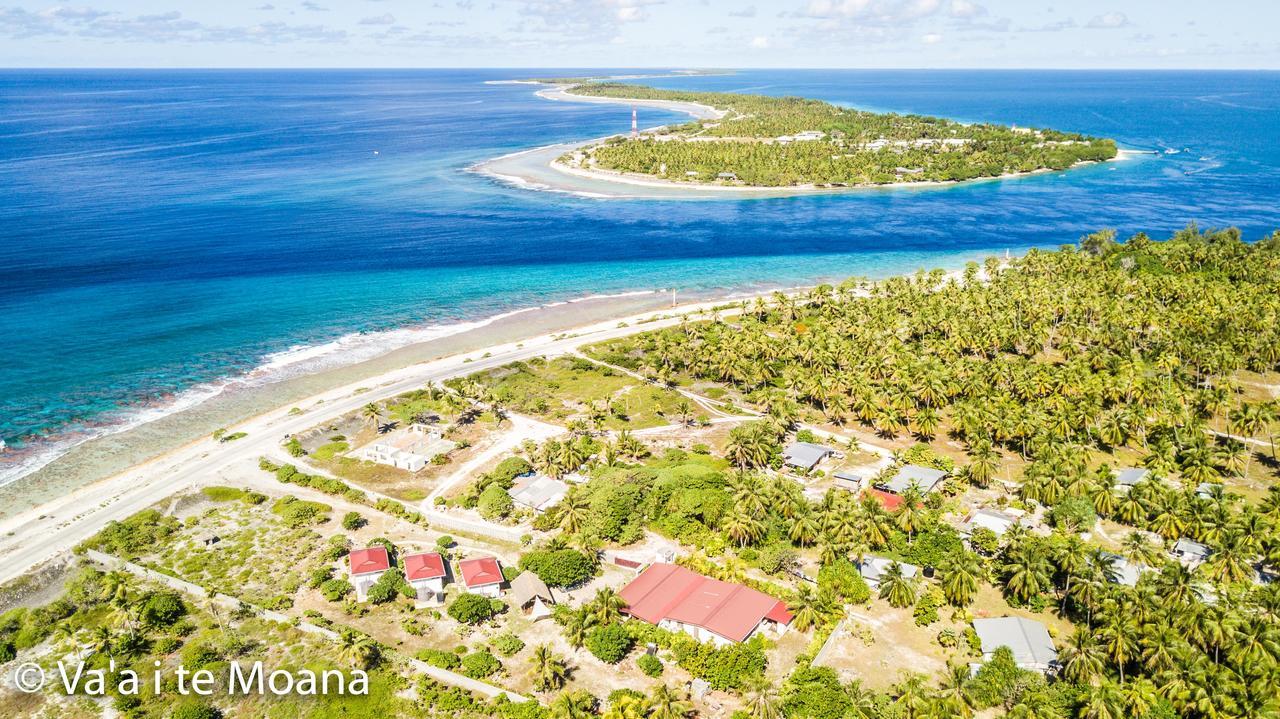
{"type": "Point", "coordinates": [426, 574]}
{"type": "Point", "coordinates": [364, 566]}
{"type": "Point", "coordinates": [678, 599]}
{"type": "Point", "coordinates": [482, 576]}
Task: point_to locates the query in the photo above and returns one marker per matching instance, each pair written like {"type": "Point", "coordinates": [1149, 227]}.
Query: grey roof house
{"type": "Point", "coordinates": [539, 493]}
{"type": "Point", "coordinates": [873, 570]}
{"type": "Point", "coordinates": [1190, 553]}
{"type": "Point", "coordinates": [1126, 478]}
{"type": "Point", "coordinates": [923, 478]}
{"type": "Point", "coordinates": [1029, 641]}
{"type": "Point", "coordinates": [805, 455]}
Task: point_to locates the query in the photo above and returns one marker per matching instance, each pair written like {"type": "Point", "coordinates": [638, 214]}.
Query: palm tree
{"type": "Point", "coordinates": [742, 527]}
{"type": "Point", "coordinates": [960, 574]}
{"type": "Point", "coordinates": [573, 513]}
{"type": "Point", "coordinates": [578, 623]}
{"type": "Point", "coordinates": [664, 703]}
{"type": "Point", "coordinates": [547, 671]}
{"type": "Point", "coordinates": [762, 702]}
{"type": "Point", "coordinates": [1028, 570]}
{"type": "Point", "coordinates": [810, 608]}
{"type": "Point", "coordinates": [896, 588]}
{"type": "Point", "coordinates": [607, 606]}
{"type": "Point", "coordinates": [954, 691]}
{"type": "Point", "coordinates": [578, 704]}
{"type": "Point", "coordinates": [372, 414]}
{"type": "Point", "coordinates": [1083, 661]}
{"type": "Point", "coordinates": [359, 650]}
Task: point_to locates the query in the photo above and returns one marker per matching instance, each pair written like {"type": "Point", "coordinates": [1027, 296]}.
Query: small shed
{"type": "Point", "coordinates": [531, 594]}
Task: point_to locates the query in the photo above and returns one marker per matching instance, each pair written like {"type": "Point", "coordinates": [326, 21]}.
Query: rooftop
{"type": "Point", "coordinates": [480, 572]}
{"type": "Point", "coordinates": [1028, 640]}
{"type": "Point", "coordinates": [1130, 476]}
{"type": "Point", "coordinates": [428, 565]}
{"type": "Point", "coordinates": [805, 454]}
{"type": "Point", "coordinates": [924, 478]}
{"type": "Point", "coordinates": [996, 521]}
{"type": "Point", "coordinates": [671, 592]}
{"type": "Point", "coordinates": [365, 561]}
{"type": "Point", "coordinates": [526, 587]}
{"type": "Point", "coordinates": [539, 492]}
{"type": "Point", "coordinates": [873, 568]}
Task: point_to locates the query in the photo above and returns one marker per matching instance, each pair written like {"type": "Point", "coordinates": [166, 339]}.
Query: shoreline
{"type": "Point", "coordinates": [44, 533]}
{"type": "Point", "coordinates": [48, 529]}
{"type": "Point", "coordinates": [539, 168]}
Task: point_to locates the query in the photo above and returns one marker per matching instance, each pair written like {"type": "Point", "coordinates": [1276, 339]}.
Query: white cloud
{"type": "Point", "coordinates": [966, 9]}
{"type": "Point", "coordinates": [748, 11]}
{"type": "Point", "coordinates": [931, 38]}
{"type": "Point", "coordinates": [1108, 21]}
{"type": "Point", "coordinates": [157, 28]}
{"type": "Point", "coordinates": [584, 17]}
{"type": "Point", "coordinates": [385, 19]}
{"type": "Point", "coordinates": [760, 42]}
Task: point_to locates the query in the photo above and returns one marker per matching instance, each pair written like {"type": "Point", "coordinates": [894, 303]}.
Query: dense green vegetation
{"type": "Point", "coordinates": [855, 147]}
{"type": "Point", "coordinates": [1058, 367]}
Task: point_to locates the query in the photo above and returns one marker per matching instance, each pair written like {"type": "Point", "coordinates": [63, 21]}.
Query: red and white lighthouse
{"type": "Point", "coordinates": [635, 128]}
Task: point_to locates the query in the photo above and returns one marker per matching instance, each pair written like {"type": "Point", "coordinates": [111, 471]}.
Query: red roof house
{"type": "Point", "coordinates": [429, 565]}
{"type": "Point", "coordinates": [481, 575]}
{"type": "Point", "coordinates": [367, 561]}
{"type": "Point", "coordinates": [426, 572]}
{"type": "Point", "coordinates": [365, 566]}
{"type": "Point", "coordinates": [673, 597]}
{"type": "Point", "coordinates": [889, 500]}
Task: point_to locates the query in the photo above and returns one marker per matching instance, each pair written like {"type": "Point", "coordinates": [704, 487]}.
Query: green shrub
{"type": "Point", "coordinates": [438, 658]}
{"type": "Point", "coordinates": [479, 665]}
{"type": "Point", "coordinates": [335, 589]}
{"type": "Point", "coordinates": [559, 567]}
{"type": "Point", "coordinates": [471, 608]}
{"type": "Point", "coordinates": [134, 536]}
{"type": "Point", "coordinates": [389, 585]}
{"type": "Point", "coordinates": [352, 521]}
{"type": "Point", "coordinates": [610, 643]}
{"type": "Point", "coordinates": [507, 644]}
{"type": "Point", "coordinates": [194, 709]}
{"type": "Point", "coordinates": [650, 665]}
{"type": "Point", "coordinates": [223, 494]}
{"type": "Point", "coordinates": [495, 503]}
{"type": "Point", "coordinates": [300, 513]}
{"type": "Point", "coordinates": [162, 609]}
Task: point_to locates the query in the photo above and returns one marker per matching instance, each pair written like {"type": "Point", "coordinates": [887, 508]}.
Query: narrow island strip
{"type": "Point", "coordinates": [770, 146]}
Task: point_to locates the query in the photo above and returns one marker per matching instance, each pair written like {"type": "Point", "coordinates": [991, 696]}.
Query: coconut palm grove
{"type": "Point", "coordinates": [1071, 511]}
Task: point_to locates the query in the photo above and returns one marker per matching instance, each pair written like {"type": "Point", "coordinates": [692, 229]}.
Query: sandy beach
{"type": "Point", "coordinates": [538, 168]}
{"type": "Point", "coordinates": [59, 510]}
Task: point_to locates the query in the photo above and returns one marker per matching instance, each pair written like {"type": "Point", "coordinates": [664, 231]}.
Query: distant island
{"type": "Point", "coordinates": [759, 141]}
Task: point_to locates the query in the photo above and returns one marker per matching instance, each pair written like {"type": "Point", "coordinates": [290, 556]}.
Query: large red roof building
{"type": "Point", "coordinates": [678, 599]}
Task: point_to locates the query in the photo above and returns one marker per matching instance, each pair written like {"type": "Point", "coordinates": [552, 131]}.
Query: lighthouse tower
{"type": "Point", "coordinates": [635, 128]}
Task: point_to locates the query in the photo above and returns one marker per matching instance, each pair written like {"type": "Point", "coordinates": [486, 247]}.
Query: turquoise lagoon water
{"type": "Point", "coordinates": [162, 231]}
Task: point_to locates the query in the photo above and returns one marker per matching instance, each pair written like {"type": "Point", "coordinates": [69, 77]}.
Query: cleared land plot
{"type": "Point", "coordinates": [568, 388]}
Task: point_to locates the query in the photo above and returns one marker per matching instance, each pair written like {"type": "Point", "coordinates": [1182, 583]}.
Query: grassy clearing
{"type": "Point", "coordinates": [566, 389]}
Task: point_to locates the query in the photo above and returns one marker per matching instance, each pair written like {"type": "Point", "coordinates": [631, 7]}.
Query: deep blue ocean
{"type": "Point", "coordinates": [163, 230]}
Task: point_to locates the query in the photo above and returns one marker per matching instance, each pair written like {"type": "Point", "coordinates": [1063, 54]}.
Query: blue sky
{"type": "Point", "coordinates": [642, 33]}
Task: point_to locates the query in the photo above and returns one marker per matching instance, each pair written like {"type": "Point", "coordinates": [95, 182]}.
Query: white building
{"type": "Point", "coordinates": [410, 449]}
